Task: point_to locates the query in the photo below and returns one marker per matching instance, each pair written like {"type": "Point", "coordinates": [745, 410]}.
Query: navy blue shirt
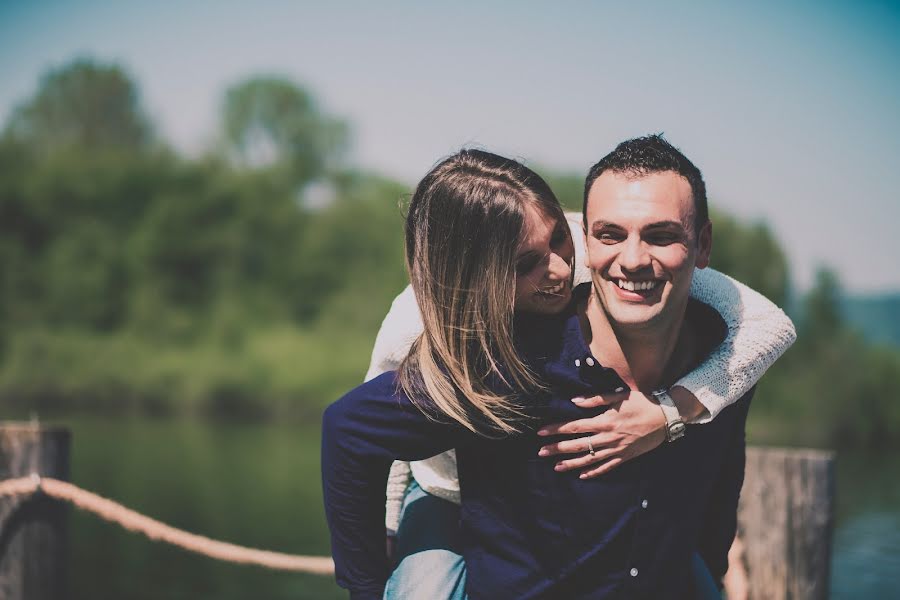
{"type": "Point", "coordinates": [527, 530]}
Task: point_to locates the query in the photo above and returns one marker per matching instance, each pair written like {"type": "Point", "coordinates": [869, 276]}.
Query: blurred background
{"type": "Point", "coordinates": [201, 207]}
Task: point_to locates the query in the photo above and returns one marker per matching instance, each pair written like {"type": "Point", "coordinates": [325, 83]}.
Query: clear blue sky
{"type": "Point", "coordinates": [792, 113]}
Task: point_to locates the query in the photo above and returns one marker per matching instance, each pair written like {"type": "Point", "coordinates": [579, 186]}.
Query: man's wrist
{"type": "Point", "coordinates": [674, 423]}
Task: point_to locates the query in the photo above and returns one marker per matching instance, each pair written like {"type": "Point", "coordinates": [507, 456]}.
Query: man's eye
{"type": "Point", "coordinates": [608, 237]}
{"type": "Point", "coordinates": [663, 239]}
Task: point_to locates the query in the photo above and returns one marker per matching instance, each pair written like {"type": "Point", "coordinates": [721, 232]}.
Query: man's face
{"type": "Point", "coordinates": [641, 246]}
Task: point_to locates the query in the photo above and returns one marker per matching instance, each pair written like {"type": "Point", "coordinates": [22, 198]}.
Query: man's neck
{"type": "Point", "coordinates": [646, 358]}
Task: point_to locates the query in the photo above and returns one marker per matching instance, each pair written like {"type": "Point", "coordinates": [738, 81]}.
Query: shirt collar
{"type": "Point", "coordinates": [556, 349]}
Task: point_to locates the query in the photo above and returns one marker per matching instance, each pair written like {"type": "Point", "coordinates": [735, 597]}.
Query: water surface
{"type": "Point", "coordinates": [259, 485]}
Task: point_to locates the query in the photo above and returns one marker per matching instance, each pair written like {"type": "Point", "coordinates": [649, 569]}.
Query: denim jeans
{"type": "Point", "coordinates": [431, 568]}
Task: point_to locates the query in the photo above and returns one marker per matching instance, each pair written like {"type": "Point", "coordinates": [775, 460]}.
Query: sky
{"type": "Point", "coordinates": [791, 112]}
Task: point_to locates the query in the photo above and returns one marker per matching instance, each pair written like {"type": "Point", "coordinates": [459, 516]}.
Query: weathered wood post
{"type": "Point", "coordinates": [785, 521]}
{"type": "Point", "coordinates": [33, 529]}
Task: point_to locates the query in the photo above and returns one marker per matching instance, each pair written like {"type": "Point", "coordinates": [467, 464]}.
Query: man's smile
{"type": "Point", "coordinates": [630, 289]}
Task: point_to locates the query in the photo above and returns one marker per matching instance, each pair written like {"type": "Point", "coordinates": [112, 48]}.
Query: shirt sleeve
{"type": "Point", "coordinates": [758, 334]}
{"type": "Point", "coordinates": [362, 433]}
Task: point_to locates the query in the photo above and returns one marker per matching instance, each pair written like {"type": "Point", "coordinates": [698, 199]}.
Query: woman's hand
{"type": "Point", "coordinates": [633, 424]}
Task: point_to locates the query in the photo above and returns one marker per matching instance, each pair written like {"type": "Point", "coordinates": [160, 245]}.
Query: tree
{"type": "Point", "coordinates": [822, 318]}
{"type": "Point", "coordinates": [84, 105]}
{"type": "Point", "coordinates": [750, 254]}
{"type": "Point", "coordinates": [271, 123]}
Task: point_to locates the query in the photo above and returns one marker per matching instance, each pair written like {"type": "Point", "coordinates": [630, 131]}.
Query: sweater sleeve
{"type": "Point", "coordinates": [362, 433]}
{"type": "Point", "coordinates": [758, 333]}
{"type": "Point", "coordinates": [400, 328]}
{"type": "Point", "coordinates": [398, 481]}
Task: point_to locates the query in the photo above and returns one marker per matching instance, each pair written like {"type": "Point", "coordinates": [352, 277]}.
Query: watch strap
{"type": "Point", "coordinates": [675, 426]}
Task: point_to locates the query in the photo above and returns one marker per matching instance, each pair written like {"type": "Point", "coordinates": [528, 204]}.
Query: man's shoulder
{"type": "Point", "coordinates": [706, 327]}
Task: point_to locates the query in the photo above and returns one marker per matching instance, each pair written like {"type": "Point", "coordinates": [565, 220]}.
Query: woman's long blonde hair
{"type": "Point", "coordinates": [466, 220]}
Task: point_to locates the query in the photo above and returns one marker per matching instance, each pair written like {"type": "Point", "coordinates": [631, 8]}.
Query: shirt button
{"type": "Point", "coordinates": [577, 363]}
{"type": "Point", "coordinates": [644, 503]}
{"type": "Point", "coordinates": [634, 572]}
{"type": "Point", "coordinates": [589, 361]}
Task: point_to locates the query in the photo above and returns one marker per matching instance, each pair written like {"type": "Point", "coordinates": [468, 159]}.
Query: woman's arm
{"type": "Point", "coordinates": [398, 481]}
{"type": "Point", "coordinates": [399, 329]}
{"type": "Point", "coordinates": [362, 433]}
{"type": "Point", "coordinates": [758, 334]}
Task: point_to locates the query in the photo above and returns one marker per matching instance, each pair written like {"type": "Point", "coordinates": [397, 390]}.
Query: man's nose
{"type": "Point", "coordinates": [634, 255]}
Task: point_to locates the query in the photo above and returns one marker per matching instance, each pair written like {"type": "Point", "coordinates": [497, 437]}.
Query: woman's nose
{"type": "Point", "coordinates": [559, 268]}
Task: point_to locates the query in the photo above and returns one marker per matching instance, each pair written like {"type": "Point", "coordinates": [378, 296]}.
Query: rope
{"type": "Point", "coordinates": [156, 530]}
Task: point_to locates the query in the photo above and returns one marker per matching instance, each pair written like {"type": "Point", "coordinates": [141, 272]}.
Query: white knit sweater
{"type": "Point", "coordinates": [758, 333]}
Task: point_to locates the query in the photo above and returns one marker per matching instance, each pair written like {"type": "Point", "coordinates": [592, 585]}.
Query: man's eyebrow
{"type": "Point", "coordinates": [664, 225]}
{"type": "Point", "coordinates": [601, 224]}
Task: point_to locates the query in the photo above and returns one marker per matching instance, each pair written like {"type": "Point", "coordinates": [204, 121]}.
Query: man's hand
{"type": "Point", "coordinates": [633, 425]}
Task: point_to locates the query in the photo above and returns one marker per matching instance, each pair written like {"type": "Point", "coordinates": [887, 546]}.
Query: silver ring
{"type": "Point", "coordinates": [590, 447]}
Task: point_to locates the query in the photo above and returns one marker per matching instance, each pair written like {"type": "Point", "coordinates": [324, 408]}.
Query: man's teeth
{"type": "Point", "coordinates": [637, 285]}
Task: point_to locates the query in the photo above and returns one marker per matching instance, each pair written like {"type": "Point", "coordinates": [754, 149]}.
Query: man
{"type": "Point", "coordinates": [647, 228]}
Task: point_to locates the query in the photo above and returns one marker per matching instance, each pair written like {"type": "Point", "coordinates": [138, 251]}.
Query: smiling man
{"type": "Point", "coordinates": [646, 228]}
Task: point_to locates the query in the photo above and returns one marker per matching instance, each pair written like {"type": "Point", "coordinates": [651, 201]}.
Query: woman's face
{"type": "Point", "coordinates": [544, 264]}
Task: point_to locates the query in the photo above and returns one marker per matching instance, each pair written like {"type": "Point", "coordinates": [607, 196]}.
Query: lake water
{"type": "Point", "coordinates": [258, 485]}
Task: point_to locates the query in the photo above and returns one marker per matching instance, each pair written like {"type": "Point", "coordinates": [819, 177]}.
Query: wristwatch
{"type": "Point", "coordinates": [674, 425]}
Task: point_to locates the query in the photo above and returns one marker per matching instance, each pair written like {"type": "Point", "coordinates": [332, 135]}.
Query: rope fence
{"type": "Point", "coordinates": [156, 530]}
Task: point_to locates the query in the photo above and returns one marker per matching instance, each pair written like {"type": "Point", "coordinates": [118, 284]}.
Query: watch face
{"type": "Point", "coordinates": [676, 430]}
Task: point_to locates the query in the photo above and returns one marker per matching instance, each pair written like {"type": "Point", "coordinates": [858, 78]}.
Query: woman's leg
{"type": "Point", "coordinates": [430, 566]}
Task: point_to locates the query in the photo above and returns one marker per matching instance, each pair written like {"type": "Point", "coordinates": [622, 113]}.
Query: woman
{"type": "Point", "coordinates": [468, 233]}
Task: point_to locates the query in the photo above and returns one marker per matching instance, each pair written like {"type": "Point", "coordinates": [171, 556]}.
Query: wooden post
{"type": "Point", "coordinates": [785, 522]}
{"type": "Point", "coordinates": [33, 529]}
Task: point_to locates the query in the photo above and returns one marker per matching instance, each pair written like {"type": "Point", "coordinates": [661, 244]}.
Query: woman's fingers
{"type": "Point", "coordinates": [596, 424]}
{"type": "Point", "coordinates": [586, 460]}
{"type": "Point", "coordinates": [577, 445]}
{"type": "Point", "coordinates": [602, 399]}
{"type": "Point", "coordinates": [606, 467]}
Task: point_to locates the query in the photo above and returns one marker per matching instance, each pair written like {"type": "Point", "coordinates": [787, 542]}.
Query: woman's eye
{"type": "Point", "coordinates": [524, 266]}
{"type": "Point", "coordinates": [559, 237]}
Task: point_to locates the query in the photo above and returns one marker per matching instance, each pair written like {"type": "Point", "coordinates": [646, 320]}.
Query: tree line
{"type": "Point", "coordinates": [250, 281]}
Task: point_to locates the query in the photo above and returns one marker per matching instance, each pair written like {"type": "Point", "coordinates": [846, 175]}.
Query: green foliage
{"type": "Point", "coordinates": [271, 123]}
{"type": "Point", "coordinates": [82, 105]}
{"type": "Point", "coordinates": [750, 255]}
{"type": "Point", "coordinates": [568, 187]}
{"type": "Point", "coordinates": [133, 279]}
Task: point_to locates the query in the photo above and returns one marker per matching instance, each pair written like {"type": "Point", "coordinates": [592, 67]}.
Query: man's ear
{"type": "Point", "coordinates": [704, 245]}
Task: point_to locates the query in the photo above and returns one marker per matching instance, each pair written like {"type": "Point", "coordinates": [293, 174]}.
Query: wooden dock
{"type": "Point", "coordinates": [783, 550]}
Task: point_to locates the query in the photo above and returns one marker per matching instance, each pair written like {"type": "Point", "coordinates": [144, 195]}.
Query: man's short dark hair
{"type": "Point", "coordinates": [651, 154]}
